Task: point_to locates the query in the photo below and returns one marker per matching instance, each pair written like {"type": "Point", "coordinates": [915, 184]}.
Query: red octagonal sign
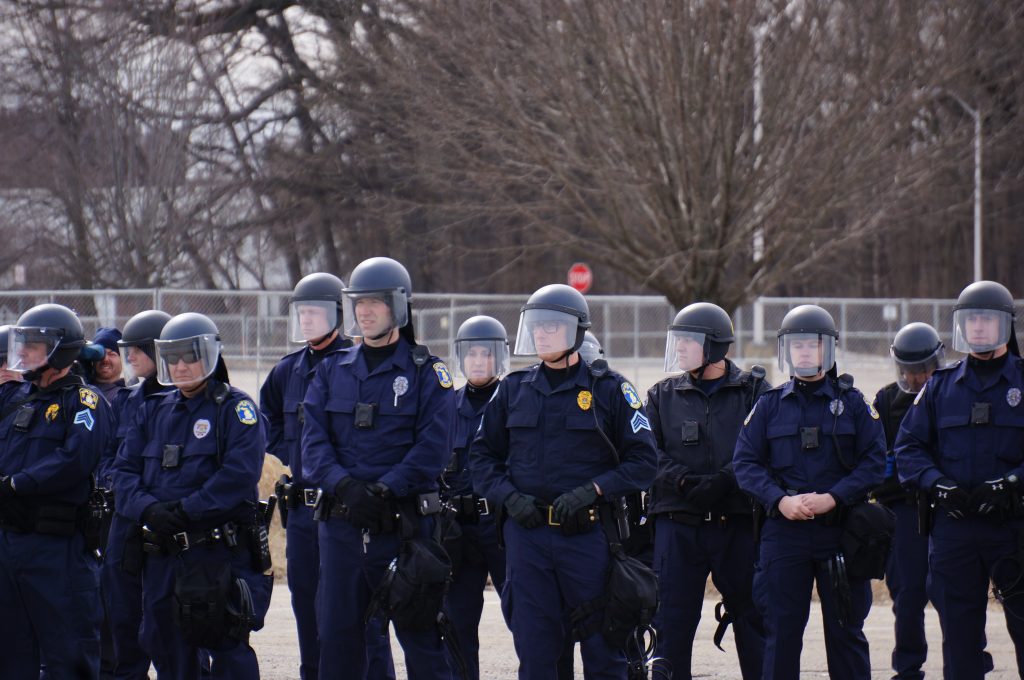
{"type": "Point", "coordinates": [581, 277]}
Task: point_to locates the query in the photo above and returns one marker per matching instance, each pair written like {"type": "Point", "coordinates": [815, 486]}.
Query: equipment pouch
{"type": "Point", "coordinates": [428, 503]}
{"type": "Point", "coordinates": [632, 599]}
{"type": "Point", "coordinates": [867, 540]}
{"type": "Point", "coordinates": [259, 547]}
{"type": "Point", "coordinates": [413, 589]}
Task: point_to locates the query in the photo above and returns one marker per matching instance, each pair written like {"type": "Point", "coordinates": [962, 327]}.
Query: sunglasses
{"type": "Point", "coordinates": [547, 326]}
{"type": "Point", "coordinates": [189, 356]}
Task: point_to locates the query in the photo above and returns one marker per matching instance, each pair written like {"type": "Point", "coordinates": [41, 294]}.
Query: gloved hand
{"type": "Point", "coordinates": [522, 508]}
{"type": "Point", "coordinates": [889, 491]}
{"type": "Point", "coordinates": [571, 502]}
{"type": "Point", "coordinates": [995, 496]}
{"type": "Point", "coordinates": [365, 501]}
{"type": "Point", "coordinates": [6, 488]}
{"type": "Point", "coordinates": [165, 517]}
{"type": "Point", "coordinates": [949, 496]}
{"type": "Point", "coordinates": [711, 489]}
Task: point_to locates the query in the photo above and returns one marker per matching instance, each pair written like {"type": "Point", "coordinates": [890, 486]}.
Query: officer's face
{"type": "Point", "coordinates": [187, 370]}
{"type": "Point", "coordinates": [982, 328]}
{"type": "Point", "coordinates": [108, 369]}
{"type": "Point", "coordinates": [689, 353]}
{"type": "Point", "coordinates": [313, 321]}
{"type": "Point", "coordinates": [551, 338]}
{"type": "Point", "coordinates": [32, 355]}
{"type": "Point", "coordinates": [915, 379]}
{"type": "Point", "coordinates": [478, 365]}
{"type": "Point", "coordinates": [805, 352]}
{"type": "Point", "coordinates": [373, 316]}
{"type": "Point", "coordinates": [142, 365]}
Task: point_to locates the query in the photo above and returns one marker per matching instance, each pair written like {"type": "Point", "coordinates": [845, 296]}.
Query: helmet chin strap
{"type": "Point", "coordinates": [383, 335]}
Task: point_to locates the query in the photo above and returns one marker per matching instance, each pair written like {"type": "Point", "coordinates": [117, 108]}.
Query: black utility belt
{"type": "Point", "coordinates": [423, 504]}
{"type": "Point", "coordinates": [469, 508]}
{"type": "Point", "coordinates": [51, 519]}
{"type": "Point", "coordinates": [583, 521]}
{"type": "Point", "coordinates": [231, 534]}
{"type": "Point", "coordinates": [295, 496]}
{"type": "Point", "coordinates": [693, 519]}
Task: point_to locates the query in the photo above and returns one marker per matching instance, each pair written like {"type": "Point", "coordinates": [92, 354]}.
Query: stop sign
{"type": "Point", "coordinates": [581, 277]}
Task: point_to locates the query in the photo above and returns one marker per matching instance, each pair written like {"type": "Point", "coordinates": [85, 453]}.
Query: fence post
{"type": "Point", "coordinates": [758, 338]}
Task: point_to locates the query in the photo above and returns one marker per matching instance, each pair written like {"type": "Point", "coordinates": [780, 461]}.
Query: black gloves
{"type": "Point", "coordinates": [889, 491]}
{"type": "Point", "coordinates": [523, 510]}
{"type": "Point", "coordinates": [711, 489]}
{"type": "Point", "coordinates": [997, 497]}
{"type": "Point", "coordinates": [569, 503]}
{"type": "Point", "coordinates": [950, 497]}
{"type": "Point", "coordinates": [365, 501]}
{"type": "Point", "coordinates": [165, 517]}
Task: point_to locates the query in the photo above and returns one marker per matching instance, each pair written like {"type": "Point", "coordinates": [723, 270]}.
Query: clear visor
{"type": "Point", "coordinates": [311, 319]}
{"type": "Point", "coordinates": [29, 348]}
{"type": "Point", "coordinates": [181, 363]}
{"type": "Point", "coordinates": [135, 363]}
{"type": "Point", "coordinates": [912, 375]}
{"type": "Point", "coordinates": [478, 361]}
{"type": "Point", "coordinates": [684, 351]}
{"type": "Point", "coordinates": [805, 355]}
{"type": "Point", "coordinates": [545, 332]}
{"type": "Point", "coordinates": [980, 330]}
{"type": "Point", "coordinates": [373, 314]}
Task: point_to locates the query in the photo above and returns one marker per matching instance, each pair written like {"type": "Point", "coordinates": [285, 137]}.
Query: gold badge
{"type": "Point", "coordinates": [88, 397]}
{"type": "Point", "coordinates": [584, 399]}
{"type": "Point", "coordinates": [51, 412]}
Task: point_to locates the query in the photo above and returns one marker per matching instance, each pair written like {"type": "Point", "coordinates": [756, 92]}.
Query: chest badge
{"type": "Point", "coordinates": [1013, 396]}
{"type": "Point", "coordinates": [746, 421]}
{"type": "Point", "coordinates": [443, 376]}
{"type": "Point", "coordinates": [201, 428]}
{"type": "Point", "coordinates": [88, 397]}
{"type": "Point", "coordinates": [632, 398]}
{"type": "Point", "coordinates": [920, 394]}
{"type": "Point", "coordinates": [51, 412]}
{"type": "Point", "coordinates": [400, 386]}
{"type": "Point", "coordinates": [584, 400]}
{"type": "Point", "coordinates": [246, 412]}
{"type": "Point", "coordinates": [836, 407]}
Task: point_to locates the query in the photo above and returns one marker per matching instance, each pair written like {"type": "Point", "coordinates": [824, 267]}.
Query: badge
{"type": "Point", "coordinates": [88, 397]}
{"type": "Point", "coordinates": [746, 421]}
{"type": "Point", "coordinates": [201, 428]}
{"type": "Point", "coordinates": [1013, 396]}
{"type": "Point", "coordinates": [584, 399]}
{"type": "Point", "coordinates": [632, 398]}
{"type": "Point", "coordinates": [639, 422]}
{"type": "Point", "coordinates": [400, 387]}
{"type": "Point", "coordinates": [871, 407]}
{"type": "Point", "coordinates": [84, 417]}
{"type": "Point", "coordinates": [443, 376]}
{"type": "Point", "coordinates": [920, 394]}
{"type": "Point", "coordinates": [246, 412]}
{"type": "Point", "coordinates": [51, 412]}
{"type": "Point", "coordinates": [836, 407]}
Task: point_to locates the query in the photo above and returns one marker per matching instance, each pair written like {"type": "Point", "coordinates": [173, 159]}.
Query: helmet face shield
{"type": "Point", "coordinates": [545, 332]}
{"type": "Point", "coordinates": [311, 319]}
{"type": "Point", "coordinates": [805, 355]}
{"type": "Point", "coordinates": [980, 330]}
{"type": "Point", "coordinates": [29, 348]}
{"type": "Point", "coordinates": [136, 364]}
{"type": "Point", "coordinates": [185, 362]}
{"type": "Point", "coordinates": [480, 361]}
{"type": "Point", "coordinates": [684, 351]}
{"type": "Point", "coordinates": [912, 375]}
{"type": "Point", "coordinates": [373, 313]}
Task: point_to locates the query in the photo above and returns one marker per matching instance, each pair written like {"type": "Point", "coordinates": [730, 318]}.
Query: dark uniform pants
{"type": "Point", "coordinates": [906, 575]}
{"type": "Point", "coordinates": [793, 557]}
{"type": "Point", "coordinates": [50, 604]}
{"type": "Point", "coordinates": [122, 597]}
{"type": "Point", "coordinates": [683, 557]}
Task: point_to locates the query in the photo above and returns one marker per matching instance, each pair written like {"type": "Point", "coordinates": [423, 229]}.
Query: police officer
{"type": "Point", "coordinates": [109, 368]}
{"type": "Point", "coordinates": [556, 443]}
{"type": "Point", "coordinates": [702, 520]}
{"type": "Point", "coordinates": [482, 357]}
{"type": "Point", "coordinates": [187, 471]}
{"type": "Point", "coordinates": [916, 352]}
{"type": "Point", "coordinates": [810, 449]}
{"type": "Point", "coordinates": [121, 575]}
{"type": "Point", "coordinates": [962, 441]}
{"type": "Point", "coordinates": [53, 430]}
{"type": "Point", "coordinates": [314, 319]}
{"type": "Point", "coordinates": [375, 440]}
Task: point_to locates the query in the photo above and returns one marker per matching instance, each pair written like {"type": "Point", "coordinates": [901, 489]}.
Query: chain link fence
{"type": "Point", "coordinates": [253, 325]}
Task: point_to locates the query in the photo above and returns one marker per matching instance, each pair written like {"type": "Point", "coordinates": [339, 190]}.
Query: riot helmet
{"type": "Point", "coordinates": [916, 352]}
{"type": "Point", "coordinates": [481, 350]}
{"type": "Point", "coordinates": [590, 348]}
{"type": "Point", "coordinates": [384, 280]}
{"type": "Point", "coordinates": [314, 311]}
{"type": "Point", "coordinates": [187, 351]}
{"type": "Point", "coordinates": [46, 336]}
{"type": "Point", "coordinates": [5, 335]}
{"type": "Point", "coordinates": [552, 321]}
{"type": "Point", "coordinates": [138, 336]}
{"type": "Point", "coordinates": [983, 319]}
{"type": "Point", "coordinates": [699, 335]}
{"type": "Point", "coordinates": [807, 342]}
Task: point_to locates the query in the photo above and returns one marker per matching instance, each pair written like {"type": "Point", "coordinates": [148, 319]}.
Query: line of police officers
{"type": "Point", "coordinates": [515, 478]}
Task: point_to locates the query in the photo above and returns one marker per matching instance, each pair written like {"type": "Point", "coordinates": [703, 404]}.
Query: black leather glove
{"type": "Point", "coordinates": [571, 502]}
{"type": "Point", "coordinates": [995, 497]}
{"type": "Point", "coordinates": [365, 501]}
{"type": "Point", "coordinates": [711, 489]}
{"type": "Point", "coordinates": [165, 517]}
{"type": "Point", "coordinates": [949, 496]}
{"type": "Point", "coordinates": [522, 508]}
{"type": "Point", "coordinates": [889, 491]}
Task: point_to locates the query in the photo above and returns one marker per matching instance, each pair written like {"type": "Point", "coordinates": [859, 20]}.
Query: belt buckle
{"type": "Point", "coordinates": [310, 497]}
{"type": "Point", "coordinates": [181, 540]}
{"type": "Point", "coordinates": [551, 517]}
{"type": "Point", "coordinates": [482, 506]}
{"type": "Point", "coordinates": [707, 516]}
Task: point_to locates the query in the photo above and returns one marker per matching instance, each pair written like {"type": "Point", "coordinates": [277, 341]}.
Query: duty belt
{"type": "Point", "coordinates": [175, 544]}
{"type": "Point", "coordinates": [584, 520]}
{"type": "Point", "coordinates": [469, 508]}
{"type": "Point", "coordinates": [692, 519]}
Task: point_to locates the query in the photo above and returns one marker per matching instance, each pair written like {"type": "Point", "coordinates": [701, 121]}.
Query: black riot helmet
{"type": "Point", "coordinates": [188, 350]}
{"type": "Point", "coordinates": [384, 279]}
{"type": "Point", "coordinates": [481, 337]}
{"type": "Point", "coordinates": [51, 326]}
{"type": "Point", "coordinates": [5, 335]}
{"type": "Point", "coordinates": [807, 341]}
{"type": "Point", "coordinates": [708, 327]}
{"type": "Point", "coordinates": [554, 319]}
{"type": "Point", "coordinates": [315, 308]}
{"type": "Point", "coordinates": [141, 331]}
{"type": "Point", "coordinates": [916, 352]}
{"type": "Point", "coordinates": [590, 348]}
{"type": "Point", "coordinates": [983, 319]}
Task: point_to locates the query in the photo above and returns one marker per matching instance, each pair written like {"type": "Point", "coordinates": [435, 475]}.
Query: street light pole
{"type": "Point", "coordinates": [975, 113]}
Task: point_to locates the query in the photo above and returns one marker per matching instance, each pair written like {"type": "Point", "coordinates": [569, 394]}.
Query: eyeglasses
{"type": "Point", "coordinates": [189, 356]}
{"type": "Point", "coordinates": [546, 326]}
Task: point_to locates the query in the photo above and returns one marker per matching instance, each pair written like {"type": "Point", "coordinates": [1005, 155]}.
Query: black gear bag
{"type": "Point", "coordinates": [867, 540]}
{"type": "Point", "coordinates": [213, 609]}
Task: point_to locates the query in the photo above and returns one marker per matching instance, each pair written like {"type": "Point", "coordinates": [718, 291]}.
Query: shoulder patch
{"type": "Point", "coordinates": [443, 376]}
{"type": "Point", "coordinates": [246, 412]}
{"type": "Point", "coordinates": [871, 407]}
{"type": "Point", "coordinates": [84, 417]}
{"type": "Point", "coordinates": [632, 398]}
{"type": "Point", "coordinates": [920, 394]}
{"type": "Point", "coordinates": [88, 397]}
{"type": "Point", "coordinates": [746, 421]}
{"type": "Point", "coordinates": [51, 412]}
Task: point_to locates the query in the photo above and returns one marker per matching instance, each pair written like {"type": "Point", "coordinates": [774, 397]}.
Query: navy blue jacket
{"type": "Point", "coordinates": [281, 402]}
{"type": "Point", "coordinates": [770, 460]}
{"type": "Point", "coordinates": [545, 442]}
{"type": "Point", "coordinates": [461, 432]}
{"type": "Point", "coordinates": [938, 440]}
{"type": "Point", "coordinates": [121, 410]}
{"type": "Point", "coordinates": [407, 447]}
